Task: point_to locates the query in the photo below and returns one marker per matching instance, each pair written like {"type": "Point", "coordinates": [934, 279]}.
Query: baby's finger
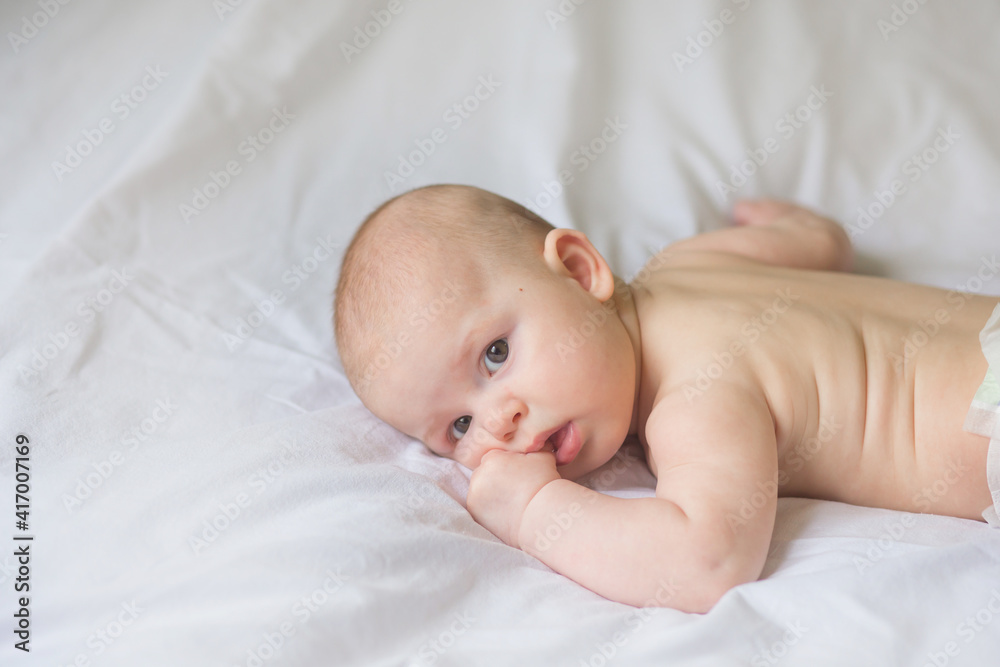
{"type": "Point", "coordinates": [492, 454]}
{"type": "Point", "coordinates": [548, 452]}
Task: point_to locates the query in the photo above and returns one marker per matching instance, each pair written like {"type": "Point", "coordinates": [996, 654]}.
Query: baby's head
{"type": "Point", "coordinates": [469, 323]}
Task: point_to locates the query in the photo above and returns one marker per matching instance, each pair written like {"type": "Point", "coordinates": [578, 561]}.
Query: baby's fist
{"type": "Point", "coordinates": [503, 485]}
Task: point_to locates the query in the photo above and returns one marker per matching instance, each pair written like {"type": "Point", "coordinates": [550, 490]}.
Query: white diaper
{"type": "Point", "coordinates": [984, 414]}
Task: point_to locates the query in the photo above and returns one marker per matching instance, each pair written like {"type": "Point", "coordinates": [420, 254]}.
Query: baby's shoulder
{"type": "Point", "coordinates": [690, 424]}
{"type": "Point", "coordinates": [670, 258]}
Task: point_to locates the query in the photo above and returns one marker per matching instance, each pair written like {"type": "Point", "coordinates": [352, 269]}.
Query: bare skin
{"type": "Point", "coordinates": [748, 364]}
{"type": "Point", "coordinates": [893, 411]}
{"type": "Point", "coordinates": [869, 408]}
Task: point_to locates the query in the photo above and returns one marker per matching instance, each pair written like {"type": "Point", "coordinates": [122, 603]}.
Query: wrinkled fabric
{"type": "Point", "coordinates": [180, 181]}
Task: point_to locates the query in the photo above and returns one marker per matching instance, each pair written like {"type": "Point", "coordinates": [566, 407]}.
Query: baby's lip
{"type": "Point", "coordinates": [563, 441]}
{"type": "Point", "coordinates": [538, 443]}
{"type": "Point", "coordinates": [568, 443]}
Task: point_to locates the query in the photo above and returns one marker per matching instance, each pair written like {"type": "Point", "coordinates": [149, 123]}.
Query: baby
{"type": "Point", "coordinates": [747, 363]}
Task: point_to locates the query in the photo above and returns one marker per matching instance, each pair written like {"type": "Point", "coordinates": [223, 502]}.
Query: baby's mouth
{"type": "Point", "coordinates": [565, 443]}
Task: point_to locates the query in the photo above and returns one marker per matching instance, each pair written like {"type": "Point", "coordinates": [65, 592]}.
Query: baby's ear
{"type": "Point", "coordinates": [570, 253]}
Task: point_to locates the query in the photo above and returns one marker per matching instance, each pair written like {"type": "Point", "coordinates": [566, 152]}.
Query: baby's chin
{"type": "Point", "coordinates": [581, 467]}
{"type": "Point", "coordinates": [570, 472]}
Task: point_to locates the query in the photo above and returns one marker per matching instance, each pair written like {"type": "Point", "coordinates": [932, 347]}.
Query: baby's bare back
{"type": "Point", "coordinates": [868, 380]}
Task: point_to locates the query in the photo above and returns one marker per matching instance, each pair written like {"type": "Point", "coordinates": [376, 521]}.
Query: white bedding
{"type": "Point", "coordinates": [204, 484]}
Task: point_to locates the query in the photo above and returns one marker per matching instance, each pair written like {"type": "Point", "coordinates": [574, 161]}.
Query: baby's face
{"type": "Point", "coordinates": [516, 361]}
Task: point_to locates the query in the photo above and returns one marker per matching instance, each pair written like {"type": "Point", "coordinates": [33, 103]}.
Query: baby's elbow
{"type": "Point", "coordinates": [734, 571]}
{"type": "Point", "coordinates": [697, 594]}
{"type": "Point", "coordinates": [718, 566]}
{"type": "Point", "coordinates": [715, 582]}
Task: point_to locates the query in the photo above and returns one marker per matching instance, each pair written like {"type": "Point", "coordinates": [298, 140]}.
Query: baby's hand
{"type": "Point", "coordinates": [503, 485]}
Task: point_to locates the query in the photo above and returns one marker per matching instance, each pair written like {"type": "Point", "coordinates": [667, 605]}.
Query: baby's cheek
{"type": "Point", "coordinates": [468, 457]}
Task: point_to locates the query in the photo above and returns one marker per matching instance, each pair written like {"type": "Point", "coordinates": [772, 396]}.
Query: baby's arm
{"type": "Point", "coordinates": [683, 548]}
{"type": "Point", "coordinates": [777, 232]}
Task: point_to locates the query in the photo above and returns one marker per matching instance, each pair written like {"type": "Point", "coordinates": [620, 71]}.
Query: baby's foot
{"type": "Point", "coordinates": [766, 212]}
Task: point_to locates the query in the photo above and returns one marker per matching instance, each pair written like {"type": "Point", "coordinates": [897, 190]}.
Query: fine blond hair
{"type": "Point", "coordinates": [388, 255]}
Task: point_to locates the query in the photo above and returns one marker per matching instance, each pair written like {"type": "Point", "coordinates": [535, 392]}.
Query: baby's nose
{"type": "Point", "coordinates": [502, 421]}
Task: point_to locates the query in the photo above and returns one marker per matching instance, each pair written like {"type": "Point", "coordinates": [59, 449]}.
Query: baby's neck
{"type": "Point", "coordinates": [624, 300]}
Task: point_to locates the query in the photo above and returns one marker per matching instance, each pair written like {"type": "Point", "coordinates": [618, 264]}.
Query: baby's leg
{"type": "Point", "coordinates": [780, 233]}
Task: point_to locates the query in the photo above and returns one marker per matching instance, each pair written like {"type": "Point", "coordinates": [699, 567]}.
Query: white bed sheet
{"type": "Point", "coordinates": [201, 499]}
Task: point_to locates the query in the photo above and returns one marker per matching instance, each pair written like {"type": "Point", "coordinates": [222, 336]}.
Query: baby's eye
{"type": "Point", "coordinates": [460, 426]}
{"type": "Point", "coordinates": [496, 354]}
